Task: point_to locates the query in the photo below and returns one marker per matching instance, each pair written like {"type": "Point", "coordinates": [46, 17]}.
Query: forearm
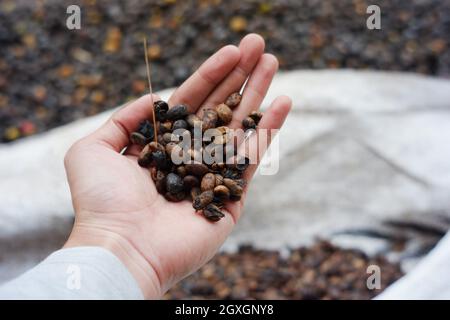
{"type": "Point", "coordinates": [75, 273]}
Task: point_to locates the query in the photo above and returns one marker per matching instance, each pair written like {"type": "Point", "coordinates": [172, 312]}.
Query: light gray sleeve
{"type": "Point", "coordinates": [430, 279]}
{"type": "Point", "coordinates": [75, 273]}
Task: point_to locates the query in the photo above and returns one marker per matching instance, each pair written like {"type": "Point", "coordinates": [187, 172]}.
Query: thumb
{"type": "Point", "coordinates": [115, 132]}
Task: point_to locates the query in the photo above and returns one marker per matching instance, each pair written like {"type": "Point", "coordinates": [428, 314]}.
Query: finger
{"type": "Point", "coordinates": [198, 86]}
{"type": "Point", "coordinates": [256, 88]}
{"type": "Point", "coordinates": [251, 48]}
{"type": "Point", "coordinates": [272, 119]}
{"type": "Point", "coordinates": [115, 133]}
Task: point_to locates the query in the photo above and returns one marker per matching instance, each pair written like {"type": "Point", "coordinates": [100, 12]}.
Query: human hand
{"type": "Point", "coordinates": [115, 200]}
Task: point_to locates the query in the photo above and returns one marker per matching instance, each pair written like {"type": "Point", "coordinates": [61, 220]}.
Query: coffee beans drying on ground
{"type": "Point", "coordinates": [208, 185]}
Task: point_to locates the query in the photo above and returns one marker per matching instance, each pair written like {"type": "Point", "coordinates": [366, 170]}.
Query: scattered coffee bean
{"type": "Point", "coordinates": [197, 169]}
{"type": "Point", "coordinates": [174, 183]}
{"type": "Point", "coordinates": [235, 189]}
{"type": "Point", "coordinates": [224, 113]}
{"type": "Point", "coordinates": [256, 116]}
{"type": "Point", "coordinates": [190, 182]}
{"type": "Point", "coordinates": [222, 192]}
{"type": "Point", "coordinates": [233, 100]}
{"type": "Point", "coordinates": [179, 124]}
{"type": "Point", "coordinates": [203, 199]}
{"type": "Point", "coordinates": [208, 182]}
{"type": "Point", "coordinates": [139, 138]}
{"type": "Point", "coordinates": [248, 123]}
{"type": "Point", "coordinates": [212, 213]}
{"type": "Point", "coordinates": [209, 119]}
{"type": "Point", "coordinates": [209, 186]}
{"type": "Point", "coordinates": [177, 112]}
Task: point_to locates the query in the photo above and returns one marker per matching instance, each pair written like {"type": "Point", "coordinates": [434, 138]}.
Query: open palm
{"type": "Point", "coordinates": [115, 200]}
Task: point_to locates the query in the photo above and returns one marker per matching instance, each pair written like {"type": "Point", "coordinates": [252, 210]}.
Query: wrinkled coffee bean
{"type": "Point", "coordinates": [145, 157]}
{"type": "Point", "coordinates": [160, 159]}
{"type": "Point", "coordinates": [235, 189]}
{"type": "Point", "coordinates": [222, 192]}
{"type": "Point", "coordinates": [203, 199]}
{"type": "Point", "coordinates": [196, 169]}
{"type": "Point", "coordinates": [219, 179]}
{"type": "Point", "coordinates": [248, 123]}
{"type": "Point", "coordinates": [177, 112]}
{"type": "Point", "coordinates": [146, 129]}
{"type": "Point", "coordinates": [160, 108]}
{"type": "Point", "coordinates": [224, 113]}
{"type": "Point", "coordinates": [190, 182]}
{"type": "Point", "coordinates": [209, 119]}
{"type": "Point", "coordinates": [177, 197]}
{"type": "Point", "coordinates": [195, 192]}
{"type": "Point", "coordinates": [193, 120]}
{"type": "Point", "coordinates": [212, 213]}
{"type": "Point", "coordinates": [181, 171]}
{"type": "Point", "coordinates": [165, 126]}
{"type": "Point", "coordinates": [209, 186]}
{"type": "Point", "coordinates": [139, 139]}
{"type": "Point", "coordinates": [233, 100]}
{"type": "Point", "coordinates": [256, 116]}
{"type": "Point", "coordinates": [231, 174]}
{"type": "Point", "coordinates": [179, 124]}
{"type": "Point", "coordinates": [208, 182]}
{"type": "Point", "coordinates": [174, 183]}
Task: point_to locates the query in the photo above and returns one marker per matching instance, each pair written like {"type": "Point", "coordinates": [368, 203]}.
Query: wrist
{"type": "Point", "coordinates": [137, 265]}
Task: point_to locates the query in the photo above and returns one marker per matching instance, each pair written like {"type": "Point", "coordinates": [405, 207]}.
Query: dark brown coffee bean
{"type": "Point", "coordinates": [224, 113]}
{"type": "Point", "coordinates": [174, 183]}
{"type": "Point", "coordinates": [256, 116]}
{"type": "Point", "coordinates": [241, 182]}
{"type": "Point", "coordinates": [235, 189]}
{"type": "Point", "coordinates": [170, 147]}
{"type": "Point", "coordinates": [195, 192]}
{"type": "Point", "coordinates": [177, 197]}
{"type": "Point", "coordinates": [212, 213]}
{"type": "Point", "coordinates": [160, 181]}
{"type": "Point", "coordinates": [177, 112]}
{"type": "Point", "coordinates": [248, 123]}
{"type": "Point", "coordinates": [156, 146]}
{"type": "Point", "coordinates": [145, 157]}
{"type": "Point", "coordinates": [139, 139]}
{"type": "Point", "coordinates": [208, 182]}
{"type": "Point", "coordinates": [160, 108]}
{"type": "Point", "coordinates": [222, 192]}
{"type": "Point", "coordinates": [235, 197]}
{"type": "Point", "coordinates": [146, 129]}
{"type": "Point", "coordinates": [233, 100]}
{"type": "Point", "coordinates": [231, 173]}
{"type": "Point", "coordinates": [196, 169]}
{"type": "Point", "coordinates": [190, 182]}
{"type": "Point", "coordinates": [222, 135]}
{"type": "Point", "coordinates": [209, 119]}
{"type": "Point", "coordinates": [219, 179]}
{"type": "Point", "coordinates": [203, 199]}
{"type": "Point", "coordinates": [193, 120]}
{"type": "Point", "coordinates": [167, 137]}
{"type": "Point", "coordinates": [160, 159]}
{"type": "Point", "coordinates": [153, 172]}
{"type": "Point", "coordinates": [181, 171]}
{"type": "Point", "coordinates": [217, 167]}
{"type": "Point", "coordinates": [165, 126]}
{"type": "Point", "coordinates": [179, 124]}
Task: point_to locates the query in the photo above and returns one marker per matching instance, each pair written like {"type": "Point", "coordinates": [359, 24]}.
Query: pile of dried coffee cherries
{"type": "Point", "coordinates": [209, 184]}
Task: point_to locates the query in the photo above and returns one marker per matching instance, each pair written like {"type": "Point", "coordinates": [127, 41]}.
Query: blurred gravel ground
{"type": "Point", "coordinates": [50, 75]}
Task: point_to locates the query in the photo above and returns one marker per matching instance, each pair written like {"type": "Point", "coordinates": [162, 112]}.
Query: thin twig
{"type": "Point", "coordinates": [151, 90]}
